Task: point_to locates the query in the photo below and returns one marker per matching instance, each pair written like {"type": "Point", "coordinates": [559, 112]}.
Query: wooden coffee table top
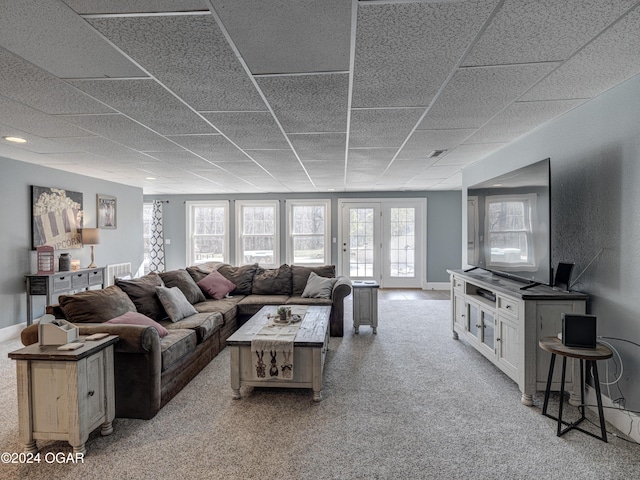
{"type": "Point", "coordinates": [312, 332]}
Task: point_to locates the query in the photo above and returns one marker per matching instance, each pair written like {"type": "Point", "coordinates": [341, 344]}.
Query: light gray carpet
{"type": "Point", "coordinates": [407, 403]}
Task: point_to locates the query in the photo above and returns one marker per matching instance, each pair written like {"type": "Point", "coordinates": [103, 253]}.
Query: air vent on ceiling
{"type": "Point", "coordinates": [436, 153]}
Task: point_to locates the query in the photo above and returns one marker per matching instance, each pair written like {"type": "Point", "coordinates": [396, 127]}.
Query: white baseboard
{"type": "Point", "coordinates": [627, 422]}
{"type": "Point", "coordinates": [9, 333]}
{"type": "Point", "coordinates": [437, 286]}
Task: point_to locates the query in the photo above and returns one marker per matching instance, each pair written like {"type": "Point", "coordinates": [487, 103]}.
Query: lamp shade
{"type": "Point", "coordinates": [90, 236]}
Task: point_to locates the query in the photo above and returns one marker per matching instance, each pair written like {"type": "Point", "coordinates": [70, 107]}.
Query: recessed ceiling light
{"type": "Point", "coordinates": [149, 178]}
{"type": "Point", "coordinates": [331, 189]}
{"type": "Point", "coordinates": [15, 139]}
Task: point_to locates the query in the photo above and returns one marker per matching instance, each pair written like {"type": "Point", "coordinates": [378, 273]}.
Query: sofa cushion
{"type": "Point", "coordinates": [242, 276]}
{"type": "Point", "coordinates": [309, 301]}
{"type": "Point", "coordinates": [204, 324]}
{"type": "Point", "coordinates": [198, 272]}
{"type": "Point", "coordinates": [135, 318]}
{"type": "Point", "coordinates": [216, 286]}
{"type": "Point", "coordinates": [95, 306]}
{"type": "Point", "coordinates": [318, 287]}
{"type": "Point", "coordinates": [184, 281]}
{"type": "Point", "coordinates": [272, 281]}
{"type": "Point", "coordinates": [251, 304]}
{"type": "Point", "coordinates": [175, 303]}
{"type": "Point", "coordinates": [142, 291]}
{"type": "Point", "coordinates": [227, 307]}
{"type": "Point", "coordinates": [301, 275]}
{"type": "Point", "coordinates": [176, 345]}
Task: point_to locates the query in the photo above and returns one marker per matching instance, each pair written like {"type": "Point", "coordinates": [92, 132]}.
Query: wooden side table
{"type": "Point", "coordinates": [365, 304]}
{"type": "Point", "coordinates": [65, 395]}
{"type": "Point", "coordinates": [60, 283]}
{"type": "Point", "coordinates": [554, 346]}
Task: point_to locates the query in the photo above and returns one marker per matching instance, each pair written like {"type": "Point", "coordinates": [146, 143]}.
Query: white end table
{"type": "Point", "coordinates": [365, 304]}
{"type": "Point", "coordinates": [65, 395]}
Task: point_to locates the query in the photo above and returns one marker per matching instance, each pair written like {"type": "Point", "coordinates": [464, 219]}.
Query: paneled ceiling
{"type": "Point", "coordinates": [235, 96]}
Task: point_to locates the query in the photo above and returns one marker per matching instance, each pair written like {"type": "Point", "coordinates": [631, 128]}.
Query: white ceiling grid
{"type": "Point", "coordinates": [227, 96]}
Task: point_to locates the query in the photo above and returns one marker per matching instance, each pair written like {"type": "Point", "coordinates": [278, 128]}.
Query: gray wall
{"type": "Point", "coordinates": [123, 244]}
{"type": "Point", "coordinates": [595, 173]}
{"type": "Point", "coordinates": [443, 225]}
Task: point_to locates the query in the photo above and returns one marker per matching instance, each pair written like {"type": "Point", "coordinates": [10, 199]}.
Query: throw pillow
{"type": "Point", "coordinates": [142, 291]}
{"type": "Point", "coordinates": [216, 286]}
{"type": "Point", "coordinates": [95, 306]}
{"type": "Point", "coordinates": [182, 280]}
{"type": "Point", "coordinates": [135, 318]}
{"type": "Point", "coordinates": [301, 275]}
{"type": "Point", "coordinates": [175, 303]}
{"type": "Point", "coordinates": [198, 272]}
{"type": "Point", "coordinates": [318, 287]}
{"type": "Point", "coordinates": [272, 281]}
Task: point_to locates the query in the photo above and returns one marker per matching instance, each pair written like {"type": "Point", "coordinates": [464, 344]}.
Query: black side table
{"type": "Point", "coordinates": [554, 346]}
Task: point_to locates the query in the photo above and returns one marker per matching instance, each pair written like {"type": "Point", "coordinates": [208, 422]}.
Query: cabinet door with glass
{"type": "Point", "coordinates": [482, 326]}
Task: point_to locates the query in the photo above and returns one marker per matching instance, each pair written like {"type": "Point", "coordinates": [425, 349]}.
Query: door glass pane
{"type": "Point", "coordinates": [361, 242]}
{"type": "Point", "coordinates": [402, 245]}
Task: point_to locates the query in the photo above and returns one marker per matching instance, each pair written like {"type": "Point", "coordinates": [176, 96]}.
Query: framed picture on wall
{"type": "Point", "coordinates": [56, 218]}
{"type": "Point", "coordinates": [107, 211]}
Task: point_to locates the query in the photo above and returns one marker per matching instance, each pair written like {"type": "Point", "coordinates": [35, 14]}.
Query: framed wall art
{"type": "Point", "coordinates": [107, 211]}
{"type": "Point", "coordinates": [56, 218]}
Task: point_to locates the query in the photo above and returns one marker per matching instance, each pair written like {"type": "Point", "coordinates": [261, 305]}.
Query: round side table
{"type": "Point", "coordinates": [591, 355]}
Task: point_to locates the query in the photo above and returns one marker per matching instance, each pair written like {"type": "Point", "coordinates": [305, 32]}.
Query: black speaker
{"type": "Point", "coordinates": [563, 276]}
{"type": "Point", "coordinates": [578, 330]}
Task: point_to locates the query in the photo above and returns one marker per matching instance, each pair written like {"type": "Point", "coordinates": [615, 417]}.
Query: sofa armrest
{"type": "Point", "coordinates": [133, 338]}
{"type": "Point", "coordinates": [341, 289]}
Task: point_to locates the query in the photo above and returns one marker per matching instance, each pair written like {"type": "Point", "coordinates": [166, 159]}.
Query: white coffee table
{"type": "Point", "coordinates": [309, 351]}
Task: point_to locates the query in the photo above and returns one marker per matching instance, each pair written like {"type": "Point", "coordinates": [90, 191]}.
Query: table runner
{"type": "Point", "coordinates": [273, 343]}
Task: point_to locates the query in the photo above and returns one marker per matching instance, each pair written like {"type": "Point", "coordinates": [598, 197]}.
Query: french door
{"type": "Point", "coordinates": [384, 240]}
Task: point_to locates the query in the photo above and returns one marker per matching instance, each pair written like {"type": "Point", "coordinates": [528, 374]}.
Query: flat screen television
{"type": "Point", "coordinates": [509, 224]}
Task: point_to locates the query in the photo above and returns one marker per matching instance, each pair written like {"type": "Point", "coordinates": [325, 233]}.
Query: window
{"type": "Point", "coordinates": [308, 225]}
{"type": "Point", "coordinates": [147, 215]}
{"type": "Point", "coordinates": [257, 226]}
{"type": "Point", "coordinates": [207, 232]}
{"type": "Point", "coordinates": [509, 229]}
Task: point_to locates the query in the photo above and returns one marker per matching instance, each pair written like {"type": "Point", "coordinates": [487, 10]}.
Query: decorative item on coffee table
{"type": "Point", "coordinates": [284, 314]}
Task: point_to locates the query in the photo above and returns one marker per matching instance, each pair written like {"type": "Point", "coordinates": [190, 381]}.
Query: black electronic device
{"type": "Point", "coordinates": [578, 330]}
{"type": "Point", "coordinates": [489, 295]}
{"type": "Point", "coordinates": [562, 280]}
{"type": "Point", "coordinates": [509, 224]}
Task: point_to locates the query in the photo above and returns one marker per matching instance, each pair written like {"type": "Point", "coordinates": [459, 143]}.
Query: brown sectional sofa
{"type": "Point", "coordinates": [150, 370]}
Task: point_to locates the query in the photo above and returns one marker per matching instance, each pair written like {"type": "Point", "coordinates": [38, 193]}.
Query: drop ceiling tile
{"type": "Point", "coordinates": [468, 154]}
{"type": "Point", "coordinates": [214, 148]}
{"type": "Point", "coordinates": [370, 158]}
{"type": "Point", "coordinates": [476, 94]}
{"type": "Point", "coordinates": [139, 6]}
{"type": "Point", "coordinates": [609, 60]}
{"type": "Point", "coordinates": [190, 55]}
{"type": "Point", "coordinates": [404, 52]}
{"type": "Point", "coordinates": [34, 143]}
{"type": "Point", "coordinates": [439, 171]}
{"type": "Point", "coordinates": [29, 120]}
{"type": "Point", "coordinates": [249, 130]}
{"type": "Point", "coordinates": [308, 103]}
{"type": "Point", "coordinates": [382, 127]}
{"type": "Point", "coordinates": [245, 169]}
{"type": "Point", "coordinates": [414, 166]}
{"type": "Point", "coordinates": [273, 159]}
{"type": "Point", "coordinates": [423, 142]}
{"type": "Point", "coordinates": [184, 160]}
{"type": "Point", "coordinates": [310, 36]}
{"type": "Point", "coordinates": [25, 83]}
{"type": "Point", "coordinates": [148, 103]}
{"type": "Point", "coordinates": [525, 32]}
{"type": "Point", "coordinates": [124, 131]}
{"type": "Point", "coordinates": [328, 146]}
{"type": "Point", "coordinates": [100, 146]}
{"type": "Point", "coordinates": [320, 168]}
{"type": "Point", "coordinates": [520, 118]}
{"type": "Point", "coordinates": [65, 45]}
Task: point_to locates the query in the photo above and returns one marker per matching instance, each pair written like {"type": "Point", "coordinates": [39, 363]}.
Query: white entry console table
{"type": "Point", "coordinates": [505, 324]}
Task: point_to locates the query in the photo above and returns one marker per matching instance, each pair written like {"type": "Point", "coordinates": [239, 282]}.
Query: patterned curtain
{"type": "Point", "coordinates": [156, 242]}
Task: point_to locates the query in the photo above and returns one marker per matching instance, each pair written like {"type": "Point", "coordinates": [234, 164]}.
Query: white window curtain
{"type": "Point", "coordinates": [156, 242]}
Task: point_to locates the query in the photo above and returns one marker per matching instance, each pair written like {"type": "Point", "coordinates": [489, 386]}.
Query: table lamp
{"type": "Point", "coordinates": [91, 236]}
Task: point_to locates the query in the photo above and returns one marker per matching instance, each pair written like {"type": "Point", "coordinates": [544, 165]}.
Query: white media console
{"type": "Point", "coordinates": [504, 323]}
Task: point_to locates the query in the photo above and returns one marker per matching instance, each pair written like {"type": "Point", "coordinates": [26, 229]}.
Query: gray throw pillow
{"type": "Point", "coordinates": [318, 287]}
{"type": "Point", "coordinates": [175, 303]}
{"type": "Point", "coordinates": [184, 281]}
